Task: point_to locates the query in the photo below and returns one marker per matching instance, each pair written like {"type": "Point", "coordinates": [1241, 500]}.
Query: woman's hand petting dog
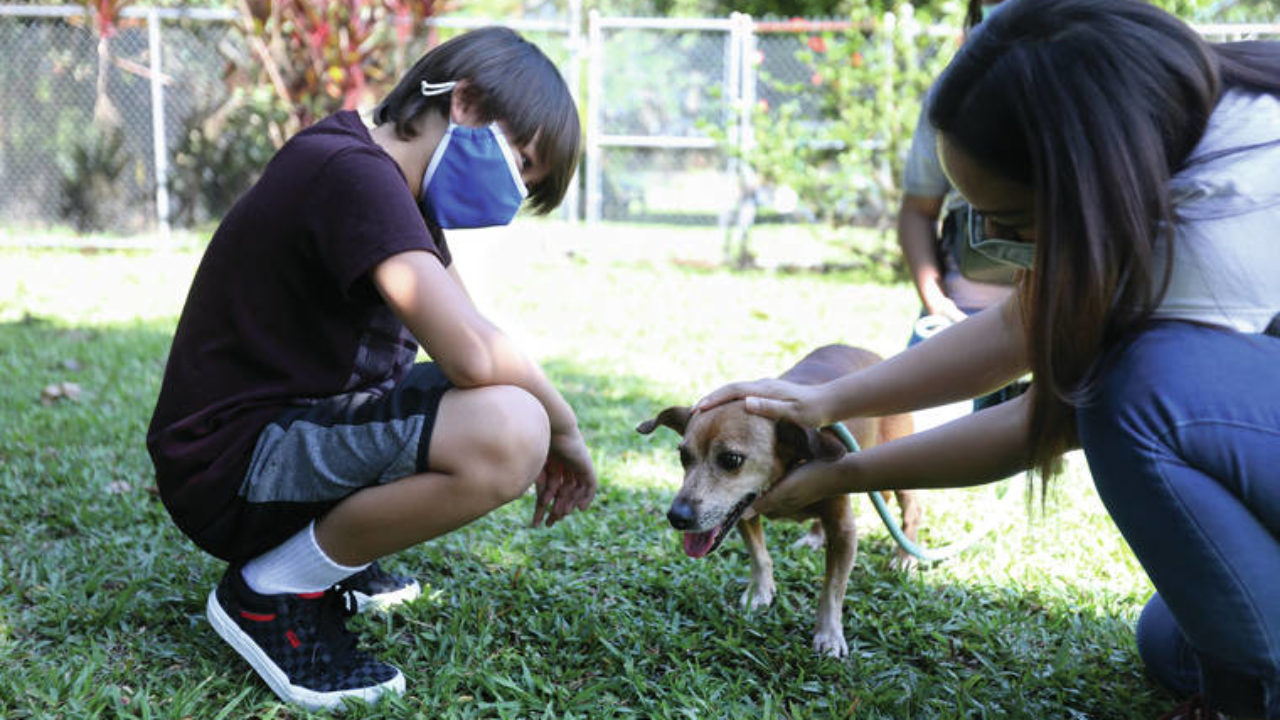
{"type": "Point", "coordinates": [774, 399]}
{"type": "Point", "coordinates": [798, 489]}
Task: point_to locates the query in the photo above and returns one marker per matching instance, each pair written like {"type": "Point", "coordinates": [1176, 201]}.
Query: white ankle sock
{"type": "Point", "coordinates": [298, 565]}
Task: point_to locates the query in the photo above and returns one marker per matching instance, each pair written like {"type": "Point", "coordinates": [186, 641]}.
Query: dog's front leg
{"type": "Point", "coordinates": [909, 503]}
{"type": "Point", "coordinates": [760, 590]}
{"type": "Point", "coordinates": [837, 520]}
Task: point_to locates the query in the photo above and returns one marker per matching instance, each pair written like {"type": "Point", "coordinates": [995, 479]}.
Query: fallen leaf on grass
{"type": "Point", "coordinates": [59, 391]}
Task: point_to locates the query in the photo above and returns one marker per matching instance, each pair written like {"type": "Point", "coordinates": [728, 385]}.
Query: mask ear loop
{"type": "Point", "coordinates": [510, 157]}
{"type": "Point", "coordinates": [430, 89]}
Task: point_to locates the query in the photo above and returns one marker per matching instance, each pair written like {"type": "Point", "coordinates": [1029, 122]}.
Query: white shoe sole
{"type": "Point", "coordinates": [385, 601]}
{"type": "Point", "coordinates": [276, 678]}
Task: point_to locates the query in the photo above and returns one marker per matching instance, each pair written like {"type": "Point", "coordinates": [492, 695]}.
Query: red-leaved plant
{"type": "Point", "coordinates": [320, 56]}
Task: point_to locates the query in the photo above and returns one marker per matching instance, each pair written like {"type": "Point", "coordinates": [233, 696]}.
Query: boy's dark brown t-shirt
{"type": "Point", "coordinates": [282, 310]}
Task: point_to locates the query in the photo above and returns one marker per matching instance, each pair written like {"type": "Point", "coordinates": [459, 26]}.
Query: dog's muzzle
{"type": "Point", "coordinates": [682, 516]}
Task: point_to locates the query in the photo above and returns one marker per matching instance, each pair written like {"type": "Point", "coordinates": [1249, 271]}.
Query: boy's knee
{"type": "Point", "coordinates": [516, 436]}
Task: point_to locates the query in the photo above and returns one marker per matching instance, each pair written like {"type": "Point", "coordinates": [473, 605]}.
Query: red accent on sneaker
{"type": "Point", "coordinates": [293, 639]}
{"type": "Point", "coordinates": [257, 617]}
{"type": "Point", "coordinates": [311, 595]}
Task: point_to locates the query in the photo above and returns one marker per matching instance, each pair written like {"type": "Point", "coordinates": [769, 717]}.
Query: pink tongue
{"type": "Point", "coordinates": [698, 544]}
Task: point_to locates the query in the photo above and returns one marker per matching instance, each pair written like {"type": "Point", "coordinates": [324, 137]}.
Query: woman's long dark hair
{"type": "Point", "coordinates": [512, 81]}
{"type": "Point", "coordinates": [1094, 104]}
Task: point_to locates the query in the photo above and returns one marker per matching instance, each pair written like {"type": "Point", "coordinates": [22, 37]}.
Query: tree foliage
{"type": "Point", "coordinates": [838, 138]}
{"type": "Point", "coordinates": [320, 56]}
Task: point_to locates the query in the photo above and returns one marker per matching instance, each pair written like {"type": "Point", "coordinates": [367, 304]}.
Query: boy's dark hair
{"type": "Point", "coordinates": [1094, 104]}
{"type": "Point", "coordinates": [508, 79]}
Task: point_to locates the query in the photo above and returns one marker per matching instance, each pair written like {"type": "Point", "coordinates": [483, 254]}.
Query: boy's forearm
{"type": "Point", "coordinates": [471, 351]}
{"type": "Point", "coordinates": [510, 366]}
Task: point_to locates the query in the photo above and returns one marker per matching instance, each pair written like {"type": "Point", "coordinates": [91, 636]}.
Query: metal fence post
{"type": "Point", "coordinates": [595, 115]}
{"type": "Point", "coordinates": [733, 82]}
{"type": "Point", "coordinates": [891, 29]}
{"type": "Point", "coordinates": [159, 141]}
{"type": "Point", "coordinates": [748, 83]}
{"type": "Point", "coordinates": [573, 195]}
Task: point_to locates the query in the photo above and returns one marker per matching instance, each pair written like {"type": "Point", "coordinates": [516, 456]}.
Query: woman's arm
{"type": "Point", "coordinates": [981, 447]}
{"type": "Point", "coordinates": [980, 355]}
{"type": "Point", "coordinates": [968, 359]}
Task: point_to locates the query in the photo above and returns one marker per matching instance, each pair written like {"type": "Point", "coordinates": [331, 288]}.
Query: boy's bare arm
{"type": "Point", "coordinates": [470, 350]}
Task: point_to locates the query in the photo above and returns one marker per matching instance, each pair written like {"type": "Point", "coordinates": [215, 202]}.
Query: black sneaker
{"type": "Point", "coordinates": [376, 589]}
{"type": "Point", "coordinates": [299, 644]}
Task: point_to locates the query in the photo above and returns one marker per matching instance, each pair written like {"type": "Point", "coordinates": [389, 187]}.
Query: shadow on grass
{"type": "Point", "coordinates": [101, 599]}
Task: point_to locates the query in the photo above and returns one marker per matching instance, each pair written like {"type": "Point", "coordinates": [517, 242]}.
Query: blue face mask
{"type": "Point", "coordinates": [473, 180]}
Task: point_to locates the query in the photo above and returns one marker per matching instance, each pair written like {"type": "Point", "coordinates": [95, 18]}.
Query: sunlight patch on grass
{"type": "Point", "coordinates": [95, 287]}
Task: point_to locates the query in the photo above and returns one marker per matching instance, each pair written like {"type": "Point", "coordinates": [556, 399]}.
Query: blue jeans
{"type": "Point", "coordinates": [1183, 441]}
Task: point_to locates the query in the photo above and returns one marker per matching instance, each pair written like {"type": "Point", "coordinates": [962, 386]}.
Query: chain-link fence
{"type": "Point", "coordinates": [57, 164]}
{"type": "Point", "coordinates": [666, 101]}
{"type": "Point", "coordinates": [122, 135]}
{"type": "Point", "coordinates": [656, 88]}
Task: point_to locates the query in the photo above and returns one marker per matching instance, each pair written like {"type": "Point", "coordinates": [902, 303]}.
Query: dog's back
{"type": "Point", "coordinates": [832, 361]}
{"type": "Point", "coordinates": [828, 363]}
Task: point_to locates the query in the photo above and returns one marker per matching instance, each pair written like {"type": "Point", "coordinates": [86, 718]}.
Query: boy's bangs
{"type": "Point", "coordinates": [558, 145]}
{"type": "Point", "coordinates": [548, 116]}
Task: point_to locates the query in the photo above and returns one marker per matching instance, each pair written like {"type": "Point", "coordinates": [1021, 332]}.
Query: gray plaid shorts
{"type": "Point", "coordinates": [310, 458]}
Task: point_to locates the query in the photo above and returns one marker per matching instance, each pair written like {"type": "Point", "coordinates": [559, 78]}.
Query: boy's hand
{"type": "Point", "coordinates": [567, 482]}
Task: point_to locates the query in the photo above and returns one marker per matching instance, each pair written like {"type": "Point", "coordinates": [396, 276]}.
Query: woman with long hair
{"type": "Point", "coordinates": [1133, 170]}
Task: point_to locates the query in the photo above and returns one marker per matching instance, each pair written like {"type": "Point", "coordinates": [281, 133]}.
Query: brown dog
{"type": "Point", "coordinates": [730, 457]}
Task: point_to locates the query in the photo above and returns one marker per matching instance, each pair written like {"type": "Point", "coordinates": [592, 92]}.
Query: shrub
{"type": "Point", "coordinates": [92, 194]}
{"type": "Point", "coordinates": [841, 136]}
{"type": "Point", "coordinates": [220, 154]}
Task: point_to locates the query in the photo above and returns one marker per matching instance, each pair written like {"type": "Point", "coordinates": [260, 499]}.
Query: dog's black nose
{"type": "Point", "coordinates": [682, 514]}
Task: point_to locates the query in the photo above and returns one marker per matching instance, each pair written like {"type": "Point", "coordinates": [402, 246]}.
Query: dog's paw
{"type": "Point", "coordinates": [758, 596]}
{"type": "Point", "coordinates": [810, 541]}
{"type": "Point", "coordinates": [904, 562]}
{"type": "Point", "coordinates": [830, 643]}
{"type": "Point", "coordinates": [814, 539]}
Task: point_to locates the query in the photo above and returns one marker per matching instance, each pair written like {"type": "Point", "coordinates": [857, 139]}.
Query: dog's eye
{"type": "Point", "coordinates": [729, 460]}
{"type": "Point", "coordinates": [686, 457]}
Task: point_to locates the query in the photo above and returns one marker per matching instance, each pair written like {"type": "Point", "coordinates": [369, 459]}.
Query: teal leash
{"type": "Point", "coordinates": [925, 554]}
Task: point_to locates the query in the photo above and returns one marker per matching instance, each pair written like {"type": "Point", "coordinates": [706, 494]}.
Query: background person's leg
{"type": "Point", "coordinates": [1183, 442]}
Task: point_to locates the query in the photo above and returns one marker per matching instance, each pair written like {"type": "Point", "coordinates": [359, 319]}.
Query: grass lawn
{"type": "Point", "coordinates": [101, 598]}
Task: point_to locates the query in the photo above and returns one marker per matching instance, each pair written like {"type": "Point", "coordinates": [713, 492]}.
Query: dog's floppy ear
{"type": "Point", "coordinates": [674, 417]}
{"type": "Point", "coordinates": [798, 444]}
